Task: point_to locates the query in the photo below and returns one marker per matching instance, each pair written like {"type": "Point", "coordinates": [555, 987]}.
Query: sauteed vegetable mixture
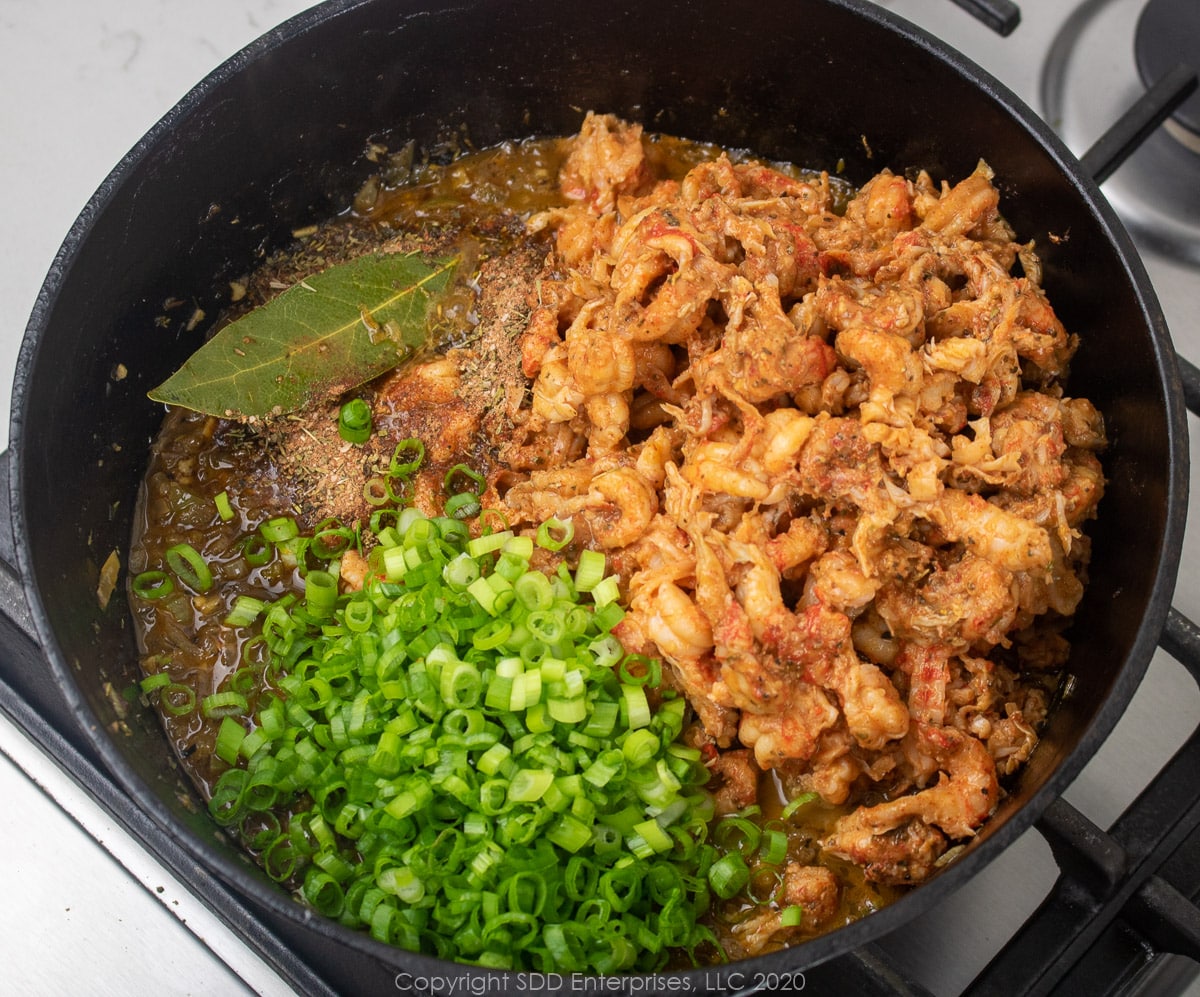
{"type": "Point", "coordinates": [693, 597]}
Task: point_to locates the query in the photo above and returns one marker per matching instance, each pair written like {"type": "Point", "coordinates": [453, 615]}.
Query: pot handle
{"type": "Point", "coordinates": [1002, 16]}
{"type": "Point", "coordinates": [12, 591]}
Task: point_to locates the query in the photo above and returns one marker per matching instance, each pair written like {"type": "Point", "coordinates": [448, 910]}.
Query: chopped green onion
{"type": "Point", "coordinates": [461, 684]}
{"type": "Point", "coordinates": [227, 801]}
{"type": "Point", "coordinates": [152, 585]}
{"type": "Point", "coordinates": [177, 699]}
{"type": "Point", "coordinates": [774, 847]}
{"type": "Point", "coordinates": [243, 681]}
{"type": "Point", "coordinates": [450, 482]}
{"type": "Point", "coordinates": [398, 488]}
{"type": "Point", "coordinates": [224, 508]}
{"type": "Point", "coordinates": [590, 570]}
{"type": "Point", "coordinates": [529, 785]}
{"type": "Point", "coordinates": [256, 550]}
{"type": "Point", "coordinates": [520, 546]}
{"type": "Point", "coordinates": [737, 833]}
{"type": "Point", "coordinates": [468, 763]}
{"type": "Point", "coordinates": [354, 421]}
{"type": "Point", "coordinates": [486, 543]}
{"type": "Point", "coordinates": [640, 747]}
{"type": "Point", "coordinates": [223, 704]}
{"type": "Point", "coordinates": [635, 706]}
{"type": "Point", "coordinates": [603, 721]}
{"type": "Point", "coordinates": [376, 522]}
{"type": "Point", "coordinates": [246, 610]}
{"type": "Point", "coordinates": [407, 457]}
{"type": "Point", "coordinates": [534, 591]}
{"type": "Point", "coordinates": [279, 529]}
{"type": "Point", "coordinates": [728, 875]}
{"type": "Point", "coordinates": [606, 651]}
{"type": "Point", "coordinates": [375, 491]}
{"type": "Point", "coordinates": [567, 711]}
{"type": "Point", "coordinates": [608, 766]}
{"type": "Point", "coordinates": [792, 916]}
{"type": "Point", "coordinates": [569, 833]}
{"type": "Point", "coordinates": [485, 595]}
{"type": "Point", "coordinates": [323, 892]}
{"type": "Point", "coordinates": [189, 567]}
{"type": "Point", "coordinates": [463, 505]}
{"type": "Point", "coordinates": [650, 836]}
{"type": "Point", "coordinates": [637, 669]}
{"type": "Point", "coordinates": [606, 591]}
{"type": "Point", "coordinates": [461, 571]}
{"type": "Point", "coordinates": [554, 534]}
{"type": "Point", "coordinates": [403, 882]}
{"type": "Point", "coordinates": [803, 800]}
{"type": "Point", "coordinates": [331, 540]}
{"type": "Point", "coordinates": [510, 566]}
{"type": "Point", "coordinates": [155, 681]}
{"type": "Point", "coordinates": [320, 593]}
{"type": "Point", "coordinates": [229, 739]}
{"type": "Point", "coordinates": [608, 617]}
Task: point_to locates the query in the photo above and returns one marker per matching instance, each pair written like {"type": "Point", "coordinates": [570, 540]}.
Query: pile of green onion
{"type": "Point", "coordinates": [461, 759]}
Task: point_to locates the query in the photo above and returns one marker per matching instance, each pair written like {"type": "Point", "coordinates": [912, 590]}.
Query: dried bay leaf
{"type": "Point", "coordinates": [321, 337]}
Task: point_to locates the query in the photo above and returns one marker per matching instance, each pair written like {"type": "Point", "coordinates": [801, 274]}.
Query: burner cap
{"type": "Point", "coordinates": [1168, 33]}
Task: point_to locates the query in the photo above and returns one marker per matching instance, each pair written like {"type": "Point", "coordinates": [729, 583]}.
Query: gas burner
{"type": "Point", "coordinates": [1094, 71]}
{"type": "Point", "coordinates": [1168, 33]}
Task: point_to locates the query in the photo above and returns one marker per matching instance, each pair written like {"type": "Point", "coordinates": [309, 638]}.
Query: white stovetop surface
{"type": "Point", "coordinates": [81, 81]}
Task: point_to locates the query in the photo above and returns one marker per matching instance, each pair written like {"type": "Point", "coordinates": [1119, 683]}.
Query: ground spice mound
{"type": "Point", "coordinates": [456, 398]}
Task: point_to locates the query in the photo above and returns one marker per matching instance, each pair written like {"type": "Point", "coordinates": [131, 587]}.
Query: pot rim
{"type": "Point", "coordinates": [807, 954]}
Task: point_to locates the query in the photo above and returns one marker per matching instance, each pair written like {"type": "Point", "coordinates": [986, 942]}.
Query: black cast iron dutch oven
{"type": "Point", "coordinates": [275, 139]}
